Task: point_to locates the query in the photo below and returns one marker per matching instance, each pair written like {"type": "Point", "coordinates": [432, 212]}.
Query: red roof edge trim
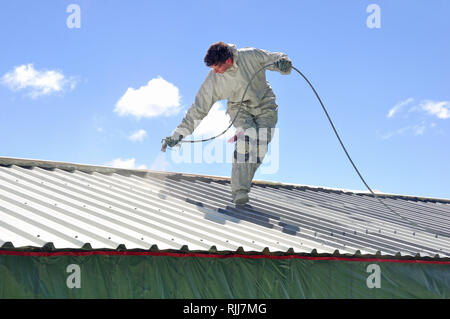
{"type": "Point", "coordinates": [206, 255]}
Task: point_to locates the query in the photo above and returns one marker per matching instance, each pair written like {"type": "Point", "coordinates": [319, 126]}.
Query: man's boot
{"type": "Point", "coordinates": [240, 198]}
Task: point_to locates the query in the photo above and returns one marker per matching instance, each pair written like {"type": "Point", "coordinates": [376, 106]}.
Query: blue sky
{"type": "Point", "coordinates": [133, 68]}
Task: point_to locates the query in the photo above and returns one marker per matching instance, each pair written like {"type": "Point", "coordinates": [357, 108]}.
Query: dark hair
{"type": "Point", "coordinates": [218, 53]}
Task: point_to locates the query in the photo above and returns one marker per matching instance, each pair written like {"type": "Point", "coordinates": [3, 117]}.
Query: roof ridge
{"type": "Point", "coordinates": [89, 168]}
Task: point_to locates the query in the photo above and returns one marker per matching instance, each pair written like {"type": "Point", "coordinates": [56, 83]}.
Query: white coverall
{"type": "Point", "coordinates": [259, 110]}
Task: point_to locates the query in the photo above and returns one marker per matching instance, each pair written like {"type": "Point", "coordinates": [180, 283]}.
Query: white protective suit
{"type": "Point", "coordinates": [257, 117]}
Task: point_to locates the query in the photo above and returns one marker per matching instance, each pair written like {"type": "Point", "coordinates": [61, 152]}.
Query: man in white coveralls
{"type": "Point", "coordinates": [232, 69]}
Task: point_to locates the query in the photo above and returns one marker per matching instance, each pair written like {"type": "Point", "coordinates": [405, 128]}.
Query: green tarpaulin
{"type": "Point", "coordinates": [131, 274]}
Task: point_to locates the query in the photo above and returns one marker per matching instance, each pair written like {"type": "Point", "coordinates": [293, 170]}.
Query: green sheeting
{"type": "Point", "coordinates": [191, 276]}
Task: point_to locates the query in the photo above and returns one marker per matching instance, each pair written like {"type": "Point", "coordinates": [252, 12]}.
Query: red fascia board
{"type": "Point", "coordinates": [205, 255]}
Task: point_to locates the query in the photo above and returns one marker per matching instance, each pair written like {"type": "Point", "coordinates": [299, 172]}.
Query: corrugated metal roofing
{"type": "Point", "coordinates": [70, 205]}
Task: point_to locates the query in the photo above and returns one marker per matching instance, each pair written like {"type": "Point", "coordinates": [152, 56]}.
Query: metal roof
{"type": "Point", "coordinates": [71, 205]}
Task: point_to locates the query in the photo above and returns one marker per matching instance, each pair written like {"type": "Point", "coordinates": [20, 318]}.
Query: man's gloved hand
{"type": "Point", "coordinates": [284, 65]}
{"type": "Point", "coordinates": [172, 141]}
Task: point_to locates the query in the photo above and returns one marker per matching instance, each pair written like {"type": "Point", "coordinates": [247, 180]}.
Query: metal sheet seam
{"type": "Point", "coordinates": [142, 199]}
{"type": "Point", "coordinates": [203, 201]}
{"type": "Point", "coordinates": [380, 214]}
{"type": "Point", "coordinates": [128, 206]}
{"type": "Point", "coordinates": [197, 208]}
{"type": "Point", "coordinates": [204, 183]}
{"type": "Point", "coordinates": [372, 201]}
{"type": "Point", "coordinates": [287, 204]}
{"type": "Point", "coordinates": [99, 224]}
{"type": "Point", "coordinates": [386, 225]}
{"type": "Point", "coordinates": [39, 225]}
{"type": "Point", "coordinates": [125, 215]}
{"type": "Point", "coordinates": [171, 195]}
{"type": "Point", "coordinates": [190, 190]}
{"type": "Point", "coordinates": [136, 191]}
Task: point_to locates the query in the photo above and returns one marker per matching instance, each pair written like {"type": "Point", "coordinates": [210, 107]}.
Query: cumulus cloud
{"type": "Point", "coordinates": [439, 109]}
{"type": "Point", "coordinates": [125, 163]}
{"type": "Point", "coordinates": [157, 97]}
{"type": "Point", "coordinates": [138, 136]}
{"type": "Point", "coordinates": [214, 123]}
{"type": "Point", "coordinates": [397, 107]}
{"type": "Point", "coordinates": [38, 82]}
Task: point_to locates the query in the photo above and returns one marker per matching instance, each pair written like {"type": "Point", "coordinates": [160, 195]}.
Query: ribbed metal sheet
{"type": "Point", "coordinates": [139, 209]}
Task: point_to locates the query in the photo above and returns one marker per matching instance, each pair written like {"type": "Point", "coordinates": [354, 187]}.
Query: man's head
{"type": "Point", "coordinates": [219, 56]}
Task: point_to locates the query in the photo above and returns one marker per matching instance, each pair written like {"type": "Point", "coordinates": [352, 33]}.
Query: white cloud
{"type": "Point", "coordinates": [439, 109]}
{"type": "Point", "coordinates": [125, 163]}
{"type": "Point", "coordinates": [39, 82]}
{"type": "Point", "coordinates": [138, 136]}
{"type": "Point", "coordinates": [214, 123]}
{"type": "Point", "coordinates": [398, 106]}
{"type": "Point", "coordinates": [158, 97]}
{"type": "Point", "coordinates": [416, 130]}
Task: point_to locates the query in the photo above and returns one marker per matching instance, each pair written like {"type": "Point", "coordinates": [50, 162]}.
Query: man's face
{"type": "Point", "coordinates": [222, 67]}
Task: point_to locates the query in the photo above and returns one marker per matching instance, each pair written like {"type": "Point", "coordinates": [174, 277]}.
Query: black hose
{"type": "Point", "coordinates": [335, 132]}
{"type": "Point", "coordinates": [348, 156]}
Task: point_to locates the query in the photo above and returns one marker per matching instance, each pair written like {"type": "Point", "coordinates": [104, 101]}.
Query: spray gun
{"type": "Point", "coordinates": [171, 142]}
{"type": "Point", "coordinates": [164, 145]}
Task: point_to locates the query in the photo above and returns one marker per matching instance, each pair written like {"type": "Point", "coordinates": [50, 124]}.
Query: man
{"type": "Point", "coordinates": [232, 69]}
